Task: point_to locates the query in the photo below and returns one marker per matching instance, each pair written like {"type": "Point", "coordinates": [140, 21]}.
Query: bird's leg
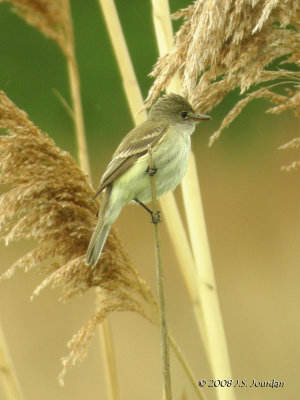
{"type": "Point", "coordinates": [151, 171]}
{"type": "Point", "coordinates": [155, 217]}
{"type": "Point", "coordinates": [143, 205]}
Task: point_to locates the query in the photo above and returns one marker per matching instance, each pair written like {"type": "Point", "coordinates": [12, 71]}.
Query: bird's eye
{"type": "Point", "coordinates": [184, 114]}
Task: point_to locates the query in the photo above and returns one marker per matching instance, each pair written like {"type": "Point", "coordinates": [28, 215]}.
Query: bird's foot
{"type": "Point", "coordinates": [151, 171]}
{"type": "Point", "coordinates": [155, 217]}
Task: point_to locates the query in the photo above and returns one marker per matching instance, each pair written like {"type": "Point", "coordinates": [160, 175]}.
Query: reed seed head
{"type": "Point", "coordinates": [224, 45]}
{"type": "Point", "coordinates": [50, 199]}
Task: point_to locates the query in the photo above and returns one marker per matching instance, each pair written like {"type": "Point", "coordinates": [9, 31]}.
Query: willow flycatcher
{"type": "Point", "coordinates": [168, 129]}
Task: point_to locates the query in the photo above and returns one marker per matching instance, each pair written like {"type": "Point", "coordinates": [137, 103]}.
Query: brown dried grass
{"type": "Point", "coordinates": [50, 199]}
{"type": "Point", "coordinates": [54, 20]}
{"type": "Point", "coordinates": [51, 17]}
{"type": "Point", "coordinates": [224, 45]}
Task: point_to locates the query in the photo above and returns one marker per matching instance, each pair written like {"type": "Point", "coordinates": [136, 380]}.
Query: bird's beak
{"type": "Point", "coordinates": [200, 117]}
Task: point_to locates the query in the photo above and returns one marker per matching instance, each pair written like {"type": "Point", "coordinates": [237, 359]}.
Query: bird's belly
{"type": "Point", "coordinates": [171, 164]}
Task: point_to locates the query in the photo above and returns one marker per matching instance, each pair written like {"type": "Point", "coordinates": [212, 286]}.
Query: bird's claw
{"type": "Point", "coordinates": [151, 171]}
{"type": "Point", "coordinates": [155, 217]}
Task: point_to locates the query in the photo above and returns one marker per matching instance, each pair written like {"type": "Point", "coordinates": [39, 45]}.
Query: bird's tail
{"type": "Point", "coordinates": [96, 245]}
{"type": "Point", "coordinates": [100, 234]}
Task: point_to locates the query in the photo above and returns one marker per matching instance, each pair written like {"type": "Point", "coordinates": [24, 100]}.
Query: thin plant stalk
{"type": "Point", "coordinates": [74, 82]}
{"type": "Point", "coordinates": [184, 255]}
{"type": "Point", "coordinates": [10, 383]}
{"type": "Point", "coordinates": [136, 104]}
{"type": "Point", "coordinates": [111, 372]}
{"type": "Point", "coordinates": [160, 288]}
{"type": "Point", "coordinates": [77, 115]}
{"type": "Point", "coordinates": [131, 87]}
{"type": "Point", "coordinates": [186, 367]}
{"type": "Point", "coordinates": [164, 35]}
{"type": "Point", "coordinates": [204, 276]}
{"type": "Point", "coordinates": [168, 204]}
{"type": "Point", "coordinates": [162, 25]}
{"type": "Point", "coordinates": [216, 339]}
{"type": "Point", "coordinates": [105, 328]}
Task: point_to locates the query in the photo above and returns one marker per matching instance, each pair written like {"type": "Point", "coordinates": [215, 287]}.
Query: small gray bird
{"type": "Point", "coordinates": [168, 129]}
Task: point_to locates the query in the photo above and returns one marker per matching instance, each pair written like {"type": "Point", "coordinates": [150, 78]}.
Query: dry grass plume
{"type": "Point", "coordinates": [54, 20]}
{"type": "Point", "coordinates": [224, 45]}
{"type": "Point", "coordinates": [51, 17]}
{"type": "Point", "coordinates": [50, 199]}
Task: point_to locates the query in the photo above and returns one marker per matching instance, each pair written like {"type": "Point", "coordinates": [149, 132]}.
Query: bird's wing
{"type": "Point", "coordinates": [133, 146]}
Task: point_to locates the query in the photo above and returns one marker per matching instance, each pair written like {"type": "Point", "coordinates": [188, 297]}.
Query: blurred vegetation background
{"type": "Point", "coordinates": [252, 215]}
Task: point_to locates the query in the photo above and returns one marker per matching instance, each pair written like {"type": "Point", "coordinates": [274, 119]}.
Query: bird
{"type": "Point", "coordinates": [168, 129]}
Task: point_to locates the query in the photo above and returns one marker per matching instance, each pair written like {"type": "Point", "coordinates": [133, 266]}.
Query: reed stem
{"type": "Point", "coordinates": [78, 116]}
{"type": "Point", "coordinates": [184, 256]}
{"type": "Point", "coordinates": [207, 309]}
{"type": "Point", "coordinates": [186, 367]}
{"type": "Point", "coordinates": [161, 290]}
{"type": "Point", "coordinates": [131, 87]}
{"type": "Point", "coordinates": [136, 104]}
{"type": "Point", "coordinates": [10, 383]}
{"type": "Point", "coordinates": [111, 371]}
{"type": "Point", "coordinates": [176, 230]}
{"type": "Point", "coordinates": [215, 334]}
{"type": "Point", "coordinates": [105, 328]}
{"type": "Point", "coordinates": [74, 82]}
{"type": "Point", "coordinates": [164, 34]}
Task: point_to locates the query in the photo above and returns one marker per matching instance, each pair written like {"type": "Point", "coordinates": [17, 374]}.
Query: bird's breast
{"type": "Point", "coordinates": [170, 158]}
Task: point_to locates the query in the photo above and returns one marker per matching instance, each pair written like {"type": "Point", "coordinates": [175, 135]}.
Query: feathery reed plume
{"type": "Point", "coordinates": [223, 45]}
{"type": "Point", "coordinates": [53, 19]}
{"type": "Point", "coordinates": [50, 199]}
{"type": "Point", "coordinates": [292, 144]}
{"type": "Point", "coordinates": [48, 16]}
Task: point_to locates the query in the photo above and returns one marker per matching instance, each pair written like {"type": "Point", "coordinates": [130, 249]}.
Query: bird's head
{"type": "Point", "coordinates": [175, 109]}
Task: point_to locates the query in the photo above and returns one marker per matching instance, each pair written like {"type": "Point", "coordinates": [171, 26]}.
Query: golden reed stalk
{"type": "Point", "coordinates": [110, 360]}
{"type": "Point", "coordinates": [176, 230]}
{"type": "Point", "coordinates": [75, 92]}
{"type": "Point", "coordinates": [10, 384]}
{"type": "Point", "coordinates": [213, 332]}
{"type": "Point", "coordinates": [131, 87]}
{"type": "Point", "coordinates": [216, 346]}
{"type": "Point", "coordinates": [104, 328]}
{"type": "Point", "coordinates": [167, 389]}
{"type": "Point", "coordinates": [136, 104]}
